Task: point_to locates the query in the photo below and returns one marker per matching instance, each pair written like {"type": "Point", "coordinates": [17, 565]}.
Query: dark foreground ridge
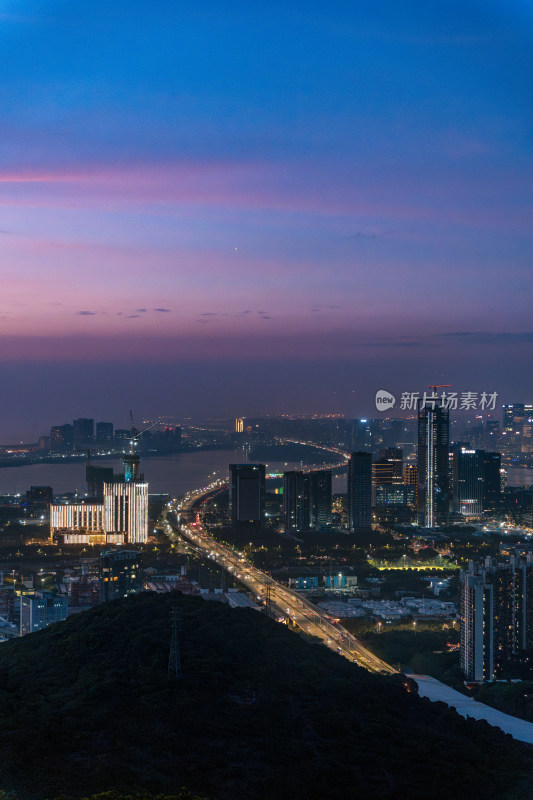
{"type": "Point", "coordinates": [87, 706]}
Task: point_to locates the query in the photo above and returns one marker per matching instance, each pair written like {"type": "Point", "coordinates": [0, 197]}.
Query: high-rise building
{"type": "Point", "coordinates": [433, 440]}
{"type": "Point", "coordinates": [321, 499]}
{"type": "Point", "coordinates": [116, 514]}
{"type": "Point", "coordinates": [96, 477]}
{"type": "Point", "coordinates": [492, 489]}
{"type": "Point", "coordinates": [391, 459]}
{"type": "Point", "coordinates": [38, 610]}
{"type": "Point", "coordinates": [131, 465]}
{"type": "Point", "coordinates": [391, 498]}
{"type": "Point", "coordinates": [37, 502]}
{"type": "Point", "coordinates": [83, 432]}
{"type": "Point", "coordinates": [468, 481]}
{"type": "Point", "coordinates": [122, 437]}
{"type": "Point", "coordinates": [394, 432]}
{"type": "Point", "coordinates": [477, 649]}
{"type": "Point", "coordinates": [239, 425]}
{"type": "Point", "coordinates": [410, 478]}
{"type": "Point", "coordinates": [126, 510]}
{"type": "Point", "coordinates": [247, 495]}
{"type": "Point", "coordinates": [377, 433]}
{"type": "Point", "coordinates": [360, 491]}
{"type": "Point", "coordinates": [394, 495]}
{"type": "Point", "coordinates": [167, 440]}
{"type": "Point", "coordinates": [514, 414]}
{"type": "Point", "coordinates": [120, 573]}
{"type": "Point", "coordinates": [307, 500]}
{"type": "Point", "coordinates": [492, 433]}
{"type": "Point", "coordinates": [361, 435]}
{"type": "Point", "coordinates": [296, 501]}
{"type": "Point", "coordinates": [387, 469]}
{"type": "Point", "coordinates": [475, 436]}
{"type": "Point", "coordinates": [104, 433]}
{"type": "Point", "coordinates": [40, 495]}
{"type": "Point", "coordinates": [61, 438]}
{"type": "Point", "coordinates": [496, 616]}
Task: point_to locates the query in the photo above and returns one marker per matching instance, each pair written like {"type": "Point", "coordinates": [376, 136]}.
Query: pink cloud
{"type": "Point", "coordinates": [393, 194]}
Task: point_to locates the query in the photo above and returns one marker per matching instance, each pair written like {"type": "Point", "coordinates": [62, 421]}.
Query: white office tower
{"type": "Point", "coordinates": [126, 510]}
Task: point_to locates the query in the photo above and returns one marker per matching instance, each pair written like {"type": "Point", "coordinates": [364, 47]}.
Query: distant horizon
{"type": "Point", "coordinates": [460, 417]}
{"type": "Point", "coordinates": [214, 209]}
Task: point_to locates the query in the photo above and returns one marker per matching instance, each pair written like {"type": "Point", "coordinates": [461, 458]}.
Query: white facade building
{"type": "Point", "coordinates": [126, 510]}
{"type": "Point", "coordinates": [121, 518]}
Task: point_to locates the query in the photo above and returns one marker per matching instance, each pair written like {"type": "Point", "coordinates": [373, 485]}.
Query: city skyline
{"type": "Point", "coordinates": [295, 207]}
{"type": "Point", "coordinates": [120, 419]}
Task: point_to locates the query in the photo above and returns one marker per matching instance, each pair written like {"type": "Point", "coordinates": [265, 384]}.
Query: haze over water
{"type": "Point", "coordinates": [175, 474]}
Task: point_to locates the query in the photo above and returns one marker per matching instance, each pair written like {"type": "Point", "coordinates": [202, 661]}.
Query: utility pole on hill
{"type": "Point", "coordinates": [174, 664]}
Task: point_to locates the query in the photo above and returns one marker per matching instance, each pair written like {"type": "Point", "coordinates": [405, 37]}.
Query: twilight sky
{"type": "Point", "coordinates": [233, 207]}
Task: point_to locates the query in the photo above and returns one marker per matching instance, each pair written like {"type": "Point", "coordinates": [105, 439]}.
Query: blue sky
{"type": "Point", "coordinates": [336, 184]}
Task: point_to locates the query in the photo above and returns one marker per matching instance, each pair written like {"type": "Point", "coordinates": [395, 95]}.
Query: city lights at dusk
{"type": "Point", "coordinates": [233, 190]}
{"type": "Point", "coordinates": [266, 433]}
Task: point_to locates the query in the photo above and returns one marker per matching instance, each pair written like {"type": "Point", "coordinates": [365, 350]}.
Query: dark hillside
{"type": "Point", "coordinates": [86, 706]}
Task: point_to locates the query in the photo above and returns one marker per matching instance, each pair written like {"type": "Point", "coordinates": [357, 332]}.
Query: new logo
{"type": "Point", "coordinates": [384, 400]}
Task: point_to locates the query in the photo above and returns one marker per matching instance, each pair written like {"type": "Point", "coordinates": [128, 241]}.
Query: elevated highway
{"type": "Point", "coordinates": [183, 518]}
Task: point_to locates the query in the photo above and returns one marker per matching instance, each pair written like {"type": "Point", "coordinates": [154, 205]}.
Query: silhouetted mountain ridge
{"type": "Point", "coordinates": [256, 713]}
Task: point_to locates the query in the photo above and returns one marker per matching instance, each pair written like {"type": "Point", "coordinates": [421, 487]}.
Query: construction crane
{"type": "Point", "coordinates": [436, 386]}
{"type": "Point", "coordinates": [135, 433]}
{"type": "Point", "coordinates": [131, 459]}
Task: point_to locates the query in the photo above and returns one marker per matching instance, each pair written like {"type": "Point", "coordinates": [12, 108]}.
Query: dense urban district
{"type": "Point", "coordinates": [423, 565]}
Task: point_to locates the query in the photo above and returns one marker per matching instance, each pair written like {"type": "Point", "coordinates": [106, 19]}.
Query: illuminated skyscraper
{"type": "Point", "coordinates": [361, 438]}
{"type": "Point", "coordinates": [360, 491]}
{"type": "Point", "coordinates": [514, 415]}
{"type": "Point", "coordinates": [496, 616]}
{"type": "Point", "coordinates": [296, 501]}
{"type": "Point", "coordinates": [433, 441]}
{"type": "Point", "coordinates": [410, 478]}
{"type": "Point", "coordinates": [307, 500]}
{"type": "Point", "coordinates": [321, 499]}
{"type": "Point", "coordinates": [468, 480]}
{"type": "Point", "coordinates": [477, 648]}
{"type": "Point", "coordinates": [387, 470]}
